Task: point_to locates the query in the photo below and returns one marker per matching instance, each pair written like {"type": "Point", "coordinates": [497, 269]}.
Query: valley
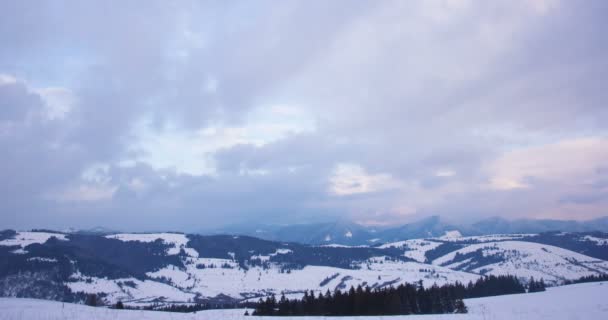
{"type": "Point", "coordinates": [572, 302]}
{"type": "Point", "coordinates": [174, 268]}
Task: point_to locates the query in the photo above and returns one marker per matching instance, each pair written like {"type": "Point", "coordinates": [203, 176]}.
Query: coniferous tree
{"type": "Point", "coordinates": [404, 299]}
{"type": "Point", "coordinates": [283, 306]}
{"type": "Point", "coordinates": [460, 307]}
{"type": "Point", "coordinates": [536, 286]}
{"type": "Point", "coordinates": [91, 300]}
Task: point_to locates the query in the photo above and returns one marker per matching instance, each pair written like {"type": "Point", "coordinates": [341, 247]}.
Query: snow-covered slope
{"type": "Point", "coordinates": [575, 302]}
{"type": "Point", "coordinates": [211, 277]}
{"type": "Point", "coordinates": [183, 285]}
{"type": "Point", "coordinates": [26, 238]}
{"type": "Point", "coordinates": [176, 241]}
{"type": "Point", "coordinates": [523, 259]}
{"type": "Point", "coordinates": [414, 249]}
{"type": "Point", "coordinates": [178, 268]}
{"type": "Point", "coordinates": [486, 238]}
{"type": "Point", "coordinates": [599, 241]}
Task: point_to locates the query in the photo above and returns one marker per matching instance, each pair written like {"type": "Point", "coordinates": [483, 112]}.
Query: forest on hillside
{"type": "Point", "coordinates": [401, 300]}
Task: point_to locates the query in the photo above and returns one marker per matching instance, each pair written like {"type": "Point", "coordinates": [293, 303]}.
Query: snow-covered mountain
{"type": "Point", "coordinates": [350, 233]}
{"type": "Point", "coordinates": [524, 259]}
{"type": "Point", "coordinates": [338, 232]}
{"type": "Point", "coordinates": [175, 267]}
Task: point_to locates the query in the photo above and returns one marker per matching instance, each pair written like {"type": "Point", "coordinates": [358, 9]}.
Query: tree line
{"type": "Point", "coordinates": [401, 300]}
{"type": "Point", "coordinates": [590, 278]}
{"type": "Point", "coordinates": [536, 285]}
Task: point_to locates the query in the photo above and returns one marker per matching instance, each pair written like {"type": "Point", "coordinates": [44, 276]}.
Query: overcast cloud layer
{"type": "Point", "coordinates": [185, 115]}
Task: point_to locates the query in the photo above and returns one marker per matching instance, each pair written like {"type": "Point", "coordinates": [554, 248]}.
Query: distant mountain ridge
{"type": "Point", "coordinates": [353, 234]}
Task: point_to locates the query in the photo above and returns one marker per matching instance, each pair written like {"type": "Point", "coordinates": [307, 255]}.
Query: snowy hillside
{"type": "Point", "coordinates": [582, 301]}
{"type": "Point", "coordinates": [185, 284]}
{"type": "Point", "coordinates": [415, 249]}
{"type": "Point", "coordinates": [141, 269]}
{"type": "Point", "coordinates": [523, 259]}
{"type": "Point", "coordinates": [23, 239]}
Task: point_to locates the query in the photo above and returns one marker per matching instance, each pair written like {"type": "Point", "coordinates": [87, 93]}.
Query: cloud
{"type": "Point", "coordinates": [59, 101]}
{"type": "Point", "coordinates": [212, 113]}
{"type": "Point", "coordinates": [573, 162]}
{"type": "Point", "coordinates": [349, 179]}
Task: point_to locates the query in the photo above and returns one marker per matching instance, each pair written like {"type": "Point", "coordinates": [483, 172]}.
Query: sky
{"type": "Point", "coordinates": [185, 115]}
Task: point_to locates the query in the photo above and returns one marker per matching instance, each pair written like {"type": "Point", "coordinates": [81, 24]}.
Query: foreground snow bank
{"type": "Point", "coordinates": [581, 301]}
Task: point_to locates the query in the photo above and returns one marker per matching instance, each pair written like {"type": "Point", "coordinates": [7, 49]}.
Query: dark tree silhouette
{"type": "Point", "coordinates": [403, 299]}
{"type": "Point", "coordinates": [92, 300]}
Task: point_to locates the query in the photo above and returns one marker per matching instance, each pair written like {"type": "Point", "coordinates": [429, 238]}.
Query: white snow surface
{"type": "Point", "coordinates": [209, 277]}
{"type": "Point", "coordinates": [41, 259]}
{"type": "Point", "coordinates": [223, 276]}
{"type": "Point", "coordinates": [575, 302]}
{"type": "Point", "coordinates": [234, 281]}
{"type": "Point", "coordinates": [490, 238]}
{"type": "Point", "coordinates": [452, 234]}
{"type": "Point", "coordinates": [527, 259]}
{"type": "Point", "coordinates": [415, 249]}
{"type": "Point", "coordinates": [337, 245]}
{"type": "Point", "coordinates": [25, 238]}
{"type": "Point", "coordinates": [267, 257]}
{"type": "Point", "coordinates": [129, 290]}
{"type": "Point", "coordinates": [177, 240]}
{"type": "Point", "coordinates": [599, 241]}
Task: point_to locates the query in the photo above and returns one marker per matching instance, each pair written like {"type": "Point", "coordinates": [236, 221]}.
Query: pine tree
{"type": "Point", "coordinates": [536, 286]}
{"type": "Point", "coordinates": [541, 285]}
{"type": "Point", "coordinates": [460, 307]}
{"type": "Point", "coordinates": [91, 300]}
{"type": "Point", "coordinates": [405, 299]}
{"type": "Point", "coordinates": [393, 304]}
{"type": "Point", "coordinates": [283, 306]}
{"type": "Point", "coordinates": [531, 285]}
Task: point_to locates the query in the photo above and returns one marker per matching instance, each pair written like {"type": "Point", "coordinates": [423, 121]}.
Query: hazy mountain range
{"type": "Point", "coordinates": [350, 233]}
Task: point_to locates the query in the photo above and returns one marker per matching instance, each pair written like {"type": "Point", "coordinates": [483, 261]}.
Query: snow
{"type": "Point", "coordinates": [24, 239]}
{"type": "Point", "coordinates": [239, 283]}
{"type": "Point", "coordinates": [225, 276]}
{"type": "Point", "coordinates": [129, 290]}
{"type": "Point", "coordinates": [51, 260]}
{"type": "Point", "coordinates": [575, 302]}
{"type": "Point", "coordinates": [582, 301]}
{"type": "Point", "coordinates": [451, 234]}
{"type": "Point", "coordinates": [414, 249]}
{"type": "Point", "coordinates": [337, 245]}
{"type": "Point", "coordinates": [527, 259]}
{"type": "Point", "coordinates": [599, 241]}
{"type": "Point", "coordinates": [174, 274]}
{"type": "Point", "coordinates": [267, 257]}
{"type": "Point", "coordinates": [489, 238]}
{"type": "Point", "coordinates": [178, 241]}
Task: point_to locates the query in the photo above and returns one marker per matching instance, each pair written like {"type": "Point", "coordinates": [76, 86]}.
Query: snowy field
{"type": "Point", "coordinates": [581, 301]}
